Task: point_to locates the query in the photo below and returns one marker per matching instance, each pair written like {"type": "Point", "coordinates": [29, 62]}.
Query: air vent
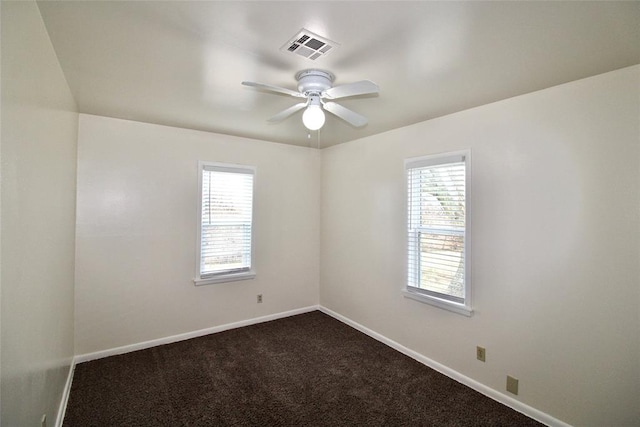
{"type": "Point", "coordinates": [309, 45]}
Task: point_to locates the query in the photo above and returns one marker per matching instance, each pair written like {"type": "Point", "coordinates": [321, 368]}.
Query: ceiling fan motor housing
{"type": "Point", "coordinates": [314, 81]}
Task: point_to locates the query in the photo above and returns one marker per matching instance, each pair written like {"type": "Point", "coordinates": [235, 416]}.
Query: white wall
{"type": "Point", "coordinates": [39, 134]}
{"type": "Point", "coordinates": [136, 232]}
{"type": "Point", "coordinates": [555, 245]}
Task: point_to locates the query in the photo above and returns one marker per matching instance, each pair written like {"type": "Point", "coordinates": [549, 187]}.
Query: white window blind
{"type": "Point", "coordinates": [226, 220]}
{"type": "Point", "coordinates": [437, 225]}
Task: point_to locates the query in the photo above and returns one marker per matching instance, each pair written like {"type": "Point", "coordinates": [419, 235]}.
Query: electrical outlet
{"type": "Point", "coordinates": [481, 353]}
{"type": "Point", "coordinates": [259, 298]}
{"type": "Point", "coordinates": [512, 384]}
{"type": "Point", "coordinates": [43, 420]}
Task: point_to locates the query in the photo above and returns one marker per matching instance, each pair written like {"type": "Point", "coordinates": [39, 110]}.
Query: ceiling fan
{"type": "Point", "coordinates": [316, 87]}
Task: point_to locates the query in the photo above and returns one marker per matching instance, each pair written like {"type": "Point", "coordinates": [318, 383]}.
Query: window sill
{"type": "Point", "coordinates": [440, 303]}
{"type": "Point", "coordinates": [234, 277]}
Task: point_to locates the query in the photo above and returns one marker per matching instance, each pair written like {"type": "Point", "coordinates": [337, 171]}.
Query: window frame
{"type": "Point", "coordinates": [464, 307]}
{"type": "Point", "coordinates": [229, 276]}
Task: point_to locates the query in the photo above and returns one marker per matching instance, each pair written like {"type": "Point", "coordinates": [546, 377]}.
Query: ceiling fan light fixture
{"type": "Point", "coordinates": [317, 85]}
{"type": "Point", "coordinates": [313, 117]}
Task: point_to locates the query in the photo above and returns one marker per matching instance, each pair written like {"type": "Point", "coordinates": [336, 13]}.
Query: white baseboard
{"type": "Point", "coordinates": [455, 375]}
{"type": "Point", "coordinates": [65, 394]}
{"type": "Point", "coordinates": [188, 335]}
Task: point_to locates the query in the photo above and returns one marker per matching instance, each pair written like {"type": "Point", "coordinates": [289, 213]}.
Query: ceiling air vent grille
{"type": "Point", "coordinates": [309, 45]}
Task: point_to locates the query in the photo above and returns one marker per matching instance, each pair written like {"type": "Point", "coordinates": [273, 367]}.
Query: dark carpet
{"type": "Point", "coordinates": [305, 370]}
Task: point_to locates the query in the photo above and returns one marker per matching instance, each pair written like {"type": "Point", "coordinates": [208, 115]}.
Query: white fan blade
{"type": "Point", "coordinates": [286, 113]}
{"type": "Point", "coordinates": [274, 89]}
{"type": "Point", "coordinates": [362, 87]}
{"type": "Point", "coordinates": [345, 114]}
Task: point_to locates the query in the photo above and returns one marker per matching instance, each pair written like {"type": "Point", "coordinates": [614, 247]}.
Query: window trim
{"type": "Point", "coordinates": [410, 292]}
{"type": "Point", "coordinates": [230, 276]}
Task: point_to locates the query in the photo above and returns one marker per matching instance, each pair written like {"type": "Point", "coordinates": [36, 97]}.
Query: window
{"type": "Point", "coordinates": [225, 213]}
{"type": "Point", "coordinates": [438, 230]}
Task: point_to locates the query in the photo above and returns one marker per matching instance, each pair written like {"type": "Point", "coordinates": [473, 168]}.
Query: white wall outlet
{"type": "Point", "coordinates": [512, 384]}
{"type": "Point", "coordinates": [481, 353]}
{"type": "Point", "coordinates": [259, 298]}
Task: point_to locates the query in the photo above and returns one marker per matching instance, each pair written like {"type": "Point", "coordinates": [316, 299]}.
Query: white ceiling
{"type": "Point", "coordinates": [181, 63]}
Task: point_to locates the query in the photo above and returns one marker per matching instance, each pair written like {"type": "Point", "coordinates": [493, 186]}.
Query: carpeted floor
{"type": "Point", "coordinates": [305, 370]}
